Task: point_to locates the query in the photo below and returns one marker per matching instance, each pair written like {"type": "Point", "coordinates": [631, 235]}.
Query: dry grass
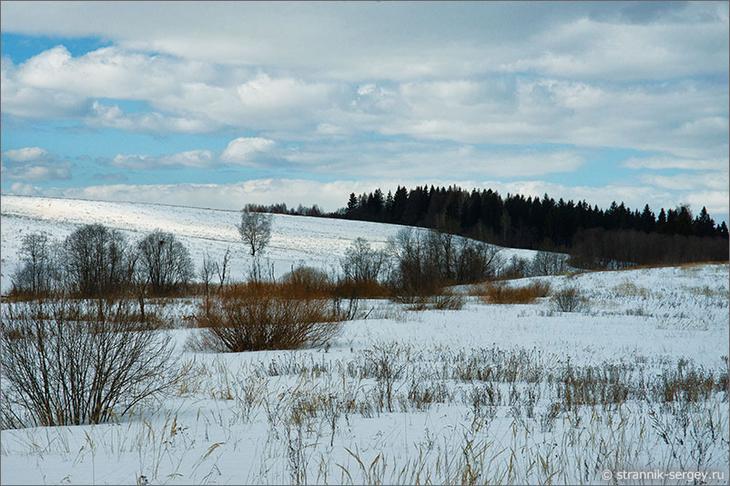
{"type": "Point", "coordinates": [444, 301]}
{"type": "Point", "coordinates": [647, 266]}
{"type": "Point", "coordinates": [630, 289]}
{"type": "Point", "coordinates": [499, 293]}
{"type": "Point", "coordinates": [309, 283]}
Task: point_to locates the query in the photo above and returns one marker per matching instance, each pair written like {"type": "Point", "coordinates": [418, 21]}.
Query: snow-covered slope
{"type": "Point", "coordinates": [317, 242]}
{"type": "Point", "coordinates": [236, 418]}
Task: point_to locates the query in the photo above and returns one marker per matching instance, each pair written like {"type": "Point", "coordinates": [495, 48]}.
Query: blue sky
{"type": "Point", "coordinates": [228, 103]}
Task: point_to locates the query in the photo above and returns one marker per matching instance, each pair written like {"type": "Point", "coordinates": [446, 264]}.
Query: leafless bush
{"type": "Point", "coordinates": [70, 363]}
{"type": "Point", "coordinates": [259, 317]}
{"type": "Point", "coordinates": [164, 261]}
{"type": "Point", "coordinates": [569, 299]}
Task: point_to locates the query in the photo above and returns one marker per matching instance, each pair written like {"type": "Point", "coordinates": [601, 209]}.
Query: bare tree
{"type": "Point", "coordinates": [548, 263]}
{"type": "Point", "coordinates": [72, 362]}
{"type": "Point", "coordinates": [95, 258]}
{"type": "Point", "coordinates": [222, 269]}
{"type": "Point", "coordinates": [475, 261]}
{"type": "Point", "coordinates": [206, 276]}
{"type": "Point", "coordinates": [425, 260]}
{"type": "Point", "coordinates": [165, 260]}
{"type": "Point", "coordinates": [361, 262]}
{"type": "Point", "coordinates": [36, 274]}
{"type": "Point", "coordinates": [255, 230]}
{"type": "Point", "coordinates": [140, 283]}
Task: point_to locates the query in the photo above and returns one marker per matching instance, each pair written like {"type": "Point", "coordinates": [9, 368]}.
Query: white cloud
{"type": "Point", "coordinates": [682, 118]}
{"type": "Point", "coordinates": [382, 40]}
{"type": "Point", "coordinates": [717, 181]}
{"type": "Point", "coordinates": [191, 158]}
{"type": "Point", "coordinates": [591, 49]}
{"type": "Point", "coordinates": [244, 150]}
{"type": "Point", "coordinates": [669, 162]}
{"type": "Point", "coordinates": [26, 101]}
{"type": "Point", "coordinates": [715, 201]}
{"type": "Point", "coordinates": [109, 72]}
{"type": "Point", "coordinates": [114, 117]}
{"type": "Point", "coordinates": [38, 173]}
{"type": "Point", "coordinates": [329, 195]}
{"type": "Point", "coordinates": [566, 112]}
{"type": "Point", "coordinates": [265, 93]}
{"type": "Point", "coordinates": [34, 164]}
{"type": "Point", "coordinates": [403, 160]}
{"type": "Point", "coordinates": [25, 154]}
{"type": "Point", "coordinates": [23, 189]}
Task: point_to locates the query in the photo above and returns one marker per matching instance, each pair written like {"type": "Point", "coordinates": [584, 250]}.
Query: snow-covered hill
{"type": "Point", "coordinates": [317, 242]}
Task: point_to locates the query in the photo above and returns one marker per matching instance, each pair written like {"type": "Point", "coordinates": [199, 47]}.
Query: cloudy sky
{"type": "Point", "coordinates": [220, 104]}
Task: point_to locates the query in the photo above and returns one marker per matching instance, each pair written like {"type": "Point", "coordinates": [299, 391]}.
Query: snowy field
{"type": "Point", "coordinates": [508, 394]}
{"type": "Point", "coordinates": [318, 242]}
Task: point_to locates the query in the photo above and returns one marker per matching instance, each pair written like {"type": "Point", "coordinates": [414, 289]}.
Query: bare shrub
{"type": "Point", "coordinates": [69, 363]}
{"type": "Point", "coordinates": [307, 281]}
{"type": "Point", "coordinates": [165, 262]}
{"type": "Point", "coordinates": [499, 293]}
{"type": "Point", "coordinates": [253, 317]}
{"type": "Point", "coordinates": [569, 299]}
{"type": "Point", "coordinates": [350, 289]}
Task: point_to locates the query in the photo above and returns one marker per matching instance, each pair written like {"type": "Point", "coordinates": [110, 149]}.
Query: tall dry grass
{"type": "Point", "coordinates": [500, 293]}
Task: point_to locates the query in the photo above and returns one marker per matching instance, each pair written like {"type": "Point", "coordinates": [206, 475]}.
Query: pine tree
{"type": "Point", "coordinates": [352, 203]}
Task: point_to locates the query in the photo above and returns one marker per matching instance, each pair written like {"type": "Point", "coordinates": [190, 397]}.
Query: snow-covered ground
{"type": "Point", "coordinates": [518, 394]}
{"type": "Point", "coordinates": [318, 242]}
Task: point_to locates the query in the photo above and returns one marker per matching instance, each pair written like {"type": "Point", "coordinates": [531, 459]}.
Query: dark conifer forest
{"type": "Point", "coordinates": [594, 237]}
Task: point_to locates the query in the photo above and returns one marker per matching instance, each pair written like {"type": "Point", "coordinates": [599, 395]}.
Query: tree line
{"type": "Point", "coordinates": [593, 236]}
